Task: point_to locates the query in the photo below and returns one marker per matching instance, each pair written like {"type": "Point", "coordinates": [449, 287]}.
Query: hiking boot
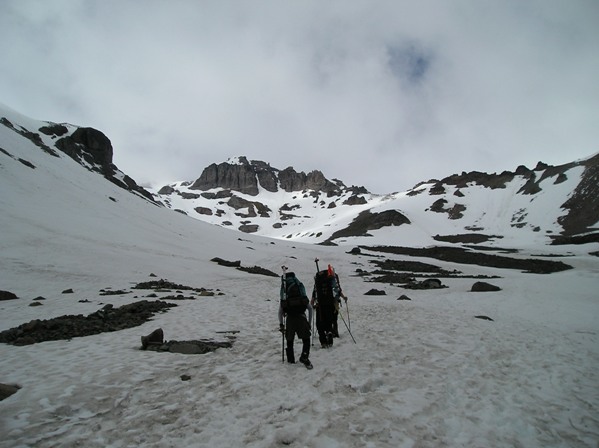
{"type": "Point", "coordinates": [305, 361]}
{"type": "Point", "coordinates": [330, 339]}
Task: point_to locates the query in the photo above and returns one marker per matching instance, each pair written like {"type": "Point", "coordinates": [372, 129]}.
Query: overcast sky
{"type": "Point", "coordinates": [382, 94]}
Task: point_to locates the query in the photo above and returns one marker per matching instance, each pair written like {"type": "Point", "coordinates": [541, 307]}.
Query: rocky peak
{"type": "Point", "coordinates": [244, 176]}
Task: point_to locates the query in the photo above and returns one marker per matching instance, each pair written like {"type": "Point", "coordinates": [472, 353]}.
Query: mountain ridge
{"type": "Point", "coordinates": [525, 207]}
{"type": "Point", "coordinates": [221, 196]}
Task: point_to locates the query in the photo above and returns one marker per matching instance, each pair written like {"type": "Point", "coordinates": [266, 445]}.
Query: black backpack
{"type": "Point", "coordinates": [323, 287]}
{"type": "Point", "coordinates": [294, 302]}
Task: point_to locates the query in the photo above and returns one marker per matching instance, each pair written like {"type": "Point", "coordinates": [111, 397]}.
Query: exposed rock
{"type": "Point", "coordinates": [291, 180]}
{"type": "Point", "coordinates": [203, 211]}
{"type": "Point", "coordinates": [7, 295]}
{"type": "Point", "coordinates": [258, 270]}
{"type": "Point", "coordinates": [375, 292]}
{"type": "Point", "coordinates": [107, 319]}
{"type": "Point", "coordinates": [166, 190]}
{"type": "Point", "coordinates": [249, 228]}
{"type": "Point", "coordinates": [6, 390]}
{"type": "Point", "coordinates": [68, 291]}
{"type": "Point", "coordinates": [484, 318]}
{"type": "Point", "coordinates": [221, 262]}
{"type": "Point", "coordinates": [429, 283]}
{"type": "Point", "coordinates": [355, 200]}
{"type": "Point", "coordinates": [463, 256]}
{"type": "Point", "coordinates": [154, 338]}
{"type": "Point", "coordinates": [583, 204]}
{"type": "Point", "coordinates": [53, 129]}
{"type": "Point", "coordinates": [240, 177]}
{"type": "Point", "coordinates": [367, 220]}
{"type": "Point", "coordinates": [403, 297]}
{"type": "Point", "coordinates": [90, 145]}
{"type": "Point", "coordinates": [484, 287]}
{"type": "Point", "coordinates": [155, 342]}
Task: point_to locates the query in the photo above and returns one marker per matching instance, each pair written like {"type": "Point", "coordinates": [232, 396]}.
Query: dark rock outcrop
{"type": "Point", "coordinates": [583, 205]}
{"type": "Point", "coordinates": [367, 220]}
{"type": "Point", "coordinates": [246, 177]}
{"type": "Point", "coordinates": [240, 177]}
{"type": "Point", "coordinates": [7, 295]}
{"type": "Point", "coordinates": [484, 287]}
{"type": "Point", "coordinates": [67, 327]}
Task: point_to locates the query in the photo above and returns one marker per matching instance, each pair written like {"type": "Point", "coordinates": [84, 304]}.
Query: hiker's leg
{"type": "Point", "coordinates": [290, 336]}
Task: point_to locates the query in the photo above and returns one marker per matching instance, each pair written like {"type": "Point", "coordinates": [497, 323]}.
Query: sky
{"type": "Point", "coordinates": [377, 94]}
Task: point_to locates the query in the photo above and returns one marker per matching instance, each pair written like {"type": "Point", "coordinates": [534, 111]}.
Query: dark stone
{"type": "Point", "coordinates": [90, 145]}
{"type": "Point", "coordinates": [484, 318]}
{"type": "Point", "coordinates": [203, 211]}
{"type": "Point", "coordinates": [6, 390]}
{"type": "Point", "coordinates": [54, 129]}
{"type": "Point", "coordinates": [166, 190]}
{"type": "Point", "coordinates": [68, 291]}
{"type": "Point", "coordinates": [403, 297]}
{"type": "Point", "coordinates": [367, 220]}
{"type": "Point", "coordinates": [484, 287]}
{"type": "Point", "coordinates": [375, 292]}
{"type": "Point", "coordinates": [220, 261]}
{"type": "Point", "coordinates": [355, 200]}
{"type": "Point", "coordinates": [249, 228]}
{"type": "Point", "coordinates": [7, 295]}
{"type": "Point", "coordinates": [154, 338]}
{"type": "Point", "coordinates": [107, 319]}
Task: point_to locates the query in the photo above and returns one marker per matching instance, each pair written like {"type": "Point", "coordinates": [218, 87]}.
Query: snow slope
{"type": "Point", "coordinates": [423, 373]}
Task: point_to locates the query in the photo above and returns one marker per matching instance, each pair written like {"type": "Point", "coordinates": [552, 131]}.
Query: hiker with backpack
{"type": "Point", "coordinates": [292, 316]}
{"type": "Point", "coordinates": [326, 298]}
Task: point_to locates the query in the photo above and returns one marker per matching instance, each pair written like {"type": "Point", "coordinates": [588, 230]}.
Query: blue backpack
{"type": "Point", "coordinates": [293, 301]}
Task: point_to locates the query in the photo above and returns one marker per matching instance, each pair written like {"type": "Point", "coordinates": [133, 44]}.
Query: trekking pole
{"type": "Point", "coordinates": [314, 309]}
{"type": "Point", "coordinates": [313, 319]}
{"type": "Point", "coordinates": [284, 282]}
{"type": "Point", "coordinates": [352, 336]}
{"type": "Point", "coordinates": [347, 308]}
{"type": "Point", "coordinates": [283, 342]}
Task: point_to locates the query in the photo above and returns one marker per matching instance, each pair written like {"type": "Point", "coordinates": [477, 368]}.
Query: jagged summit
{"type": "Point", "coordinates": [248, 177]}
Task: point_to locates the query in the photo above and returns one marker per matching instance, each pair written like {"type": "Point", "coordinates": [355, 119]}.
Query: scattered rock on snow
{"type": "Point", "coordinates": [6, 390]}
{"type": "Point", "coordinates": [375, 292]}
{"type": "Point", "coordinates": [7, 295]}
{"type": "Point", "coordinates": [403, 297]}
{"type": "Point", "coordinates": [484, 318]}
{"type": "Point", "coordinates": [67, 327]}
{"type": "Point", "coordinates": [484, 287]}
{"type": "Point", "coordinates": [429, 283]}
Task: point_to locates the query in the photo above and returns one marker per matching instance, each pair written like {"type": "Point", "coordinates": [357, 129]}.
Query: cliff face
{"type": "Point", "coordinates": [245, 177]}
{"type": "Point", "coordinates": [583, 204]}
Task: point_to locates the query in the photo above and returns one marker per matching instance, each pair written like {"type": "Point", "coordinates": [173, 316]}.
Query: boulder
{"type": "Point", "coordinates": [484, 287]}
{"type": "Point", "coordinates": [7, 295]}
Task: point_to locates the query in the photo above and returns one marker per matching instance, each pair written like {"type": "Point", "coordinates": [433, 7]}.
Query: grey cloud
{"type": "Point", "coordinates": [381, 94]}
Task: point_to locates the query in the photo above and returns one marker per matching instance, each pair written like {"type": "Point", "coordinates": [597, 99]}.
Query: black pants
{"type": "Point", "coordinates": [297, 324]}
{"type": "Point", "coordinates": [325, 320]}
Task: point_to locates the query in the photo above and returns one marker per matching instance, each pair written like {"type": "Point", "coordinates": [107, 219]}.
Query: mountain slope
{"type": "Point", "coordinates": [423, 372]}
{"type": "Point", "coordinates": [524, 207]}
